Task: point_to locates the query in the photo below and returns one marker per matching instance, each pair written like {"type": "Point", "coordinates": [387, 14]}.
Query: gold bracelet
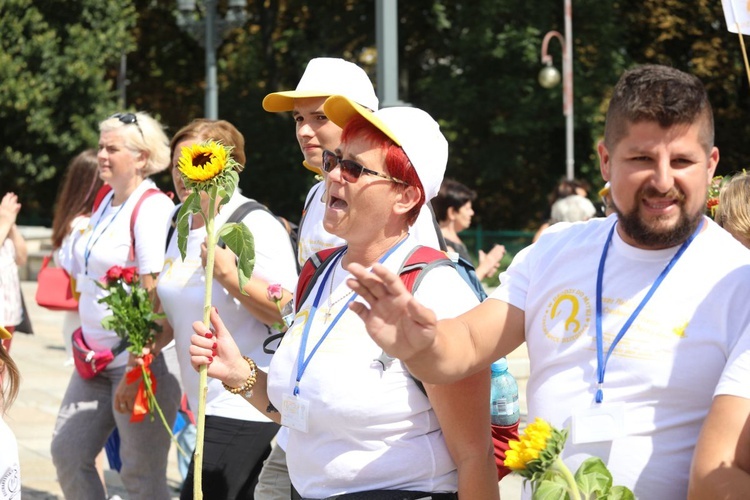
{"type": "Point", "coordinates": [246, 390]}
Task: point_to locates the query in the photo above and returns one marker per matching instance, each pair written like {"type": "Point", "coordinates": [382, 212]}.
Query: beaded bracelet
{"type": "Point", "coordinates": [246, 390]}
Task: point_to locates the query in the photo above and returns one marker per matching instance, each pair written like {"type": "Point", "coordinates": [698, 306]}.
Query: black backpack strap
{"type": "Point", "coordinates": [172, 226]}
{"type": "Point", "coordinates": [272, 337]}
{"type": "Point", "coordinates": [441, 239]}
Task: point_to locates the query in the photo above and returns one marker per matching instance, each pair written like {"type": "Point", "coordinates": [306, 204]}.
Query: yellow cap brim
{"type": "Point", "coordinates": [315, 170]}
{"type": "Point", "coordinates": [4, 334]}
{"type": "Point", "coordinates": [284, 101]}
{"type": "Point", "coordinates": [340, 110]}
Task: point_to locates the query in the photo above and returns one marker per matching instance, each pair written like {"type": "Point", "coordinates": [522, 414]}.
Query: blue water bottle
{"type": "Point", "coordinates": [504, 408]}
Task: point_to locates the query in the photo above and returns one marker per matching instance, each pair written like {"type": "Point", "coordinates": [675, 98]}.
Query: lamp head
{"type": "Point", "coordinates": [549, 77]}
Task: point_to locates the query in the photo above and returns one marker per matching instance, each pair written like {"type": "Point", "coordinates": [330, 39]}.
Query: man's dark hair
{"type": "Point", "coordinates": [452, 194]}
{"type": "Point", "coordinates": [653, 93]}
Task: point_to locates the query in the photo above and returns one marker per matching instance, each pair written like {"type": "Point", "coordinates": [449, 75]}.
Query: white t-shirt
{"type": "Point", "coordinates": [10, 468]}
{"type": "Point", "coordinates": [314, 238]}
{"type": "Point", "coordinates": [367, 428]}
{"type": "Point", "coordinates": [735, 381]}
{"type": "Point", "coordinates": [106, 243]}
{"type": "Point", "coordinates": [64, 256]}
{"type": "Point", "coordinates": [666, 366]}
{"type": "Point", "coordinates": [181, 288]}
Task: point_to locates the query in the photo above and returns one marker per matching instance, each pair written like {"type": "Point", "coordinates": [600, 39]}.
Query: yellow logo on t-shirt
{"type": "Point", "coordinates": [567, 316]}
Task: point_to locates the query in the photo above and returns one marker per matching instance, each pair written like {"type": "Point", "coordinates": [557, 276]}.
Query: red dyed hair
{"type": "Point", "coordinates": [397, 164]}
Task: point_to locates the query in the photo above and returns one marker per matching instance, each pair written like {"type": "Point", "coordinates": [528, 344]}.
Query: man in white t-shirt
{"type": "Point", "coordinates": [656, 295]}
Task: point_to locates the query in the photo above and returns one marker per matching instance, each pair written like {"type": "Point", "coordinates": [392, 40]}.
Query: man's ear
{"type": "Point", "coordinates": [407, 200]}
{"type": "Point", "coordinates": [604, 160]}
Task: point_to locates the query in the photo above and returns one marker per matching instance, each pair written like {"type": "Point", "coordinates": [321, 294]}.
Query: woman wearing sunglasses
{"type": "Point", "coordinates": [132, 146]}
{"type": "Point", "coordinates": [358, 422]}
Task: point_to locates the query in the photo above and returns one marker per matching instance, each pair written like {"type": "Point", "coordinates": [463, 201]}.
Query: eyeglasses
{"type": "Point", "coordinates": [128, 119]}
{"type": "Point", "coordinates": [351, 170]}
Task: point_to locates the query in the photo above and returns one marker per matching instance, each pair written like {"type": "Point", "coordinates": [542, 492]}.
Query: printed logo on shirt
{"type": "Point", "coordinates": [567, 316]}
{"type": "Point", "coordinates": [10, 483]}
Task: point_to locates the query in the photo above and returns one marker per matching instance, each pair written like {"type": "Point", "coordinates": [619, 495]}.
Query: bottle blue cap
{"type": "Point", "coordinates": [500, 365]}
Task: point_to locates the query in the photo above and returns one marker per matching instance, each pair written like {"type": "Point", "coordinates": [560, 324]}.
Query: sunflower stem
{"type": "Point", "coordinates": [203, 377]}
{"type": "Point", "coordinates": [572, 487]}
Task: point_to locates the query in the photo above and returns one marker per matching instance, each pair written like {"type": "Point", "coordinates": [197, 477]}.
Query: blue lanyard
{"type": "Point", "coordinates": [601, 360]}
{"type": "Point", "coordinates": [89, 243]}
{"type": "Point", "coordinates": [302, 362]}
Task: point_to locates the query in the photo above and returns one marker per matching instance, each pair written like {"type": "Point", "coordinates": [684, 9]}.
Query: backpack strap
{"type": "Point", "coordinates": [417, 264]}
{"type": "Point", "coordinates": [419, 261]}
{"type": "Point", "coordinates": [311, 271]}
{"type": "Point", "coordinates": [172, 226]}
{"type": "Point", "coordinates": [441, 239]}
{"type": "Point", "coordinates": [106, 188]}
{"type": "Point", "coordinates": [146, 194]}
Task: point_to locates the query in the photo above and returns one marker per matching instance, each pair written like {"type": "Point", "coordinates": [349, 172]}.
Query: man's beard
{"type": "Point", "coordinates": [651, 235]}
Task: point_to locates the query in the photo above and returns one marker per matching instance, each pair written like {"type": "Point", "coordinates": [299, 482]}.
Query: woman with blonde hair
{"type": "Point", "coordinates": [733, 210]}
{"type": "Point", "coordinates": [10, 469]}
{"type": "Point", "coordinates": [132, 146]}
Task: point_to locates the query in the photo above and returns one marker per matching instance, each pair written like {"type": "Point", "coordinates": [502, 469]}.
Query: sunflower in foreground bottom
{"type": "Point", "coordinates": [536, 457]}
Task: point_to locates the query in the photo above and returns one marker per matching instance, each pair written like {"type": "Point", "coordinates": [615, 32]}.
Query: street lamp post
{"type": "Point", "coordinates": [549, 77]}
{"type": "Point", "coordinates": [209, 33]}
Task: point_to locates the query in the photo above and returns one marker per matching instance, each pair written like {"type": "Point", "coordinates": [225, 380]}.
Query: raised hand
{"type": "Point", "coordinates": [218, 350]}
{"type": "Point", "coordinates": [399, 324]}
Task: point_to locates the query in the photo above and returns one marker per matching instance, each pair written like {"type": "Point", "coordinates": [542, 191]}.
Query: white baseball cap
{"type": "Point", "coordinates": [323, 77]}
{"type": "Point", "coordinates": [411, 128]}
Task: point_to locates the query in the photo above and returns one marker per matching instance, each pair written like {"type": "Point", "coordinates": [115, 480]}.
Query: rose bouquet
{"type": "Point", "coordinates": [133, 319]}
{"type": "Point", "coordinates": [536, 457]}
{"type": "Point", "coordinates": [209, 169]}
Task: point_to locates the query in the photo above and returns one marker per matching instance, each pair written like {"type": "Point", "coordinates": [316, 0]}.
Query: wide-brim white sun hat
{"type": "Point", "coordinates": [411, 128]}
{"type": "Point", "coordinates": [323, 77]}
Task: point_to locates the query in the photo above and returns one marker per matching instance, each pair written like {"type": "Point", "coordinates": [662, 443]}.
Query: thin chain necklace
{"type": "Point", "coordinates": [330, 293]}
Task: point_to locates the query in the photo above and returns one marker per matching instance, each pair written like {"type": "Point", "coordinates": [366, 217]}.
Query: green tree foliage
{"type": "Point", "coordinates": [472, 65]}
{"type": "Point", "coordinates": [54, 87]}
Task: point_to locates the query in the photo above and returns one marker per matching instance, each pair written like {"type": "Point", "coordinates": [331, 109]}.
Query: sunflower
{"type": "Point", "coordinates": [206, 161]}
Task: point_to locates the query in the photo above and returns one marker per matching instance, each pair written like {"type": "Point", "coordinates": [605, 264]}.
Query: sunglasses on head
{"type": "Point", "coordinates": [128, 119]}
{"type": "Point", "coordinates": [351, 170]}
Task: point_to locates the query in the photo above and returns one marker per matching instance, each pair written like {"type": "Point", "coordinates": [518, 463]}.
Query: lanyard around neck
{"type": "Point", "coordinates": [90, 244]}
{"type": "Point", "coordinates": [302, 362]}
{"type": "Point", "coordinates": [601, 359]}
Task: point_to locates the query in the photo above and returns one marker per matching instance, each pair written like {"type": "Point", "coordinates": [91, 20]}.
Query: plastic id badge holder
{"type": "Point", "coordinates": [601, 422]}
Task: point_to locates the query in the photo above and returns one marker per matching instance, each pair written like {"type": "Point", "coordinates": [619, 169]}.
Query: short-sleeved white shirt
{"type": "Point", "coordinates": [181, 288]}
{"type": "Point", "coordinates": [105, 243]}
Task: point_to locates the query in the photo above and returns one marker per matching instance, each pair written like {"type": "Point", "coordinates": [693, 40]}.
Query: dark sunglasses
{"type": "Point", "coordinates": [351, 170]}
{"type": "Point", "coordinates": [128, 119]}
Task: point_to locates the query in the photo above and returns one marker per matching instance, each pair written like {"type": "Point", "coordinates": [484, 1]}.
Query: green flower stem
{"type": "Point", "coordinates": [559, 466]}
{"type": "Point", "coordinates": [155, 405]}
{"type": "Point", "coordinates": [203, 377]}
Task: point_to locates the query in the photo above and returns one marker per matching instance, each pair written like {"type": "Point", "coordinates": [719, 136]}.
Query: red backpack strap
{"type": "Point", "coordinates": [310, 273]}
{"type": "Point", "coordinates": [106, 188]}
{"type": "Point", "coordinates": [418, 262]}
{"type": "Point", "coordinates": [147, 193]}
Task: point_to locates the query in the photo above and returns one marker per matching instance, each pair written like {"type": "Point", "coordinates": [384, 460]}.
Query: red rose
{"type": "Point", "coordinates": [274, 293]}
{"type": "Point", "coordinates": [129, 274]}
{"type": "Point", "coordinates": [114, 273]}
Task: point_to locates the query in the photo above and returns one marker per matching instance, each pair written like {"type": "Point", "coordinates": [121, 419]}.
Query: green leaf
{"type": "Point", "coordinates": [620, 493]}
{"type": "Point", "coordinates": [593, 478]}
{"type": "Point", "coordinates": [553, 488]}
{"type": "Point", "coordinates": [192, 205]}
{"type": "Point", "coordinates": [239, 240]}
